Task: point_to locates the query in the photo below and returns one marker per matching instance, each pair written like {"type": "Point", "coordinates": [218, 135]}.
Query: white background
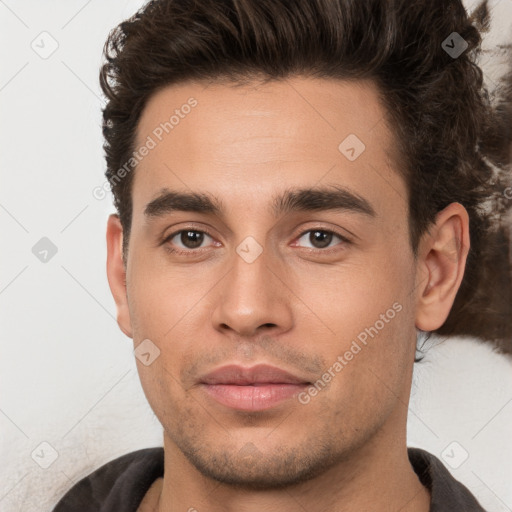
{"type": "Point", "coordinates": [67, 373]}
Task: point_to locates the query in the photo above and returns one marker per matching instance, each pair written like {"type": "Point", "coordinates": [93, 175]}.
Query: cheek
{"type": "Point", "coordinates": [351, 296]}
{"type": "Point", "coordinates": [365, 312]}
{"type": "Point", "coordinates": [372, 371]}
{"type": "Point", "coordinates": [165, 299]}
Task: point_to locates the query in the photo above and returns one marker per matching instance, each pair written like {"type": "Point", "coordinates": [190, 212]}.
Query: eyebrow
{"type": "Point", "coordinates": [292, 199]}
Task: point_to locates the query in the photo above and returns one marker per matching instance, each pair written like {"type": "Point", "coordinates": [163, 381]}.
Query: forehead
{"type": "Point", "coordinates": [240, 140]}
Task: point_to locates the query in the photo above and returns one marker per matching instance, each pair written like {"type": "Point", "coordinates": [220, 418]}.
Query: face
{"type": "Point", "coordinates": [296, 256]}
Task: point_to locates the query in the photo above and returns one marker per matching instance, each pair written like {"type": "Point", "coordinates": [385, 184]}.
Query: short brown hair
{"type": "Point", "coordinates": [445, 129]}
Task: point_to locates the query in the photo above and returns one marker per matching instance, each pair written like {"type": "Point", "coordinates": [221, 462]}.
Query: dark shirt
{"type": "Point", "coordinates": [121, 484]}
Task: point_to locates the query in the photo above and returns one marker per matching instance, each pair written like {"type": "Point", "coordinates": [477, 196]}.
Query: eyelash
{"type": "Point", "coordinates": [194, 252]}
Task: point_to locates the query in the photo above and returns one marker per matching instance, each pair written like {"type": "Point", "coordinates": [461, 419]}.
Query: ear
{"type": "Point", "coordinates": [116, 273]}
{"type": "Point", "coordinates": [442, 254]}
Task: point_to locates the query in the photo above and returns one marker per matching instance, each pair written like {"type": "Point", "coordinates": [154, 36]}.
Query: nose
{"type": "Point", "coordinates": [253, 297]}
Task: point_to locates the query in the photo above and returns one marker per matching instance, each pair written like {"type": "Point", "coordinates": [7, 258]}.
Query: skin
{"type": "Point", "coordinates": [298, 306]}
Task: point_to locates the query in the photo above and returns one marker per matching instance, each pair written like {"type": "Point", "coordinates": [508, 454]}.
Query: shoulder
{"type": "Point", "coordinates": [117, 485]}
{"type": "Point", "coordinates": [447, 493]}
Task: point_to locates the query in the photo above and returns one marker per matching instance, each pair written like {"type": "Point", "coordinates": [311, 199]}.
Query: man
{"type": "Point", "coordinates": [296, 185]}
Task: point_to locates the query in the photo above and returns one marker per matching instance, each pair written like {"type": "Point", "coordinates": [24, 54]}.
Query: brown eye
{"type": "Point", "coordinates": [191, 239]}
{"type": "Point", "coordinates": [187, 239]}
{"type": "Point", "coordinates": [319, 238]}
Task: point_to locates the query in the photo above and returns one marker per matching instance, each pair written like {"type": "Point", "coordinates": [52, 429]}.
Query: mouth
{"type": "Point", "coordinates": [256, 388]}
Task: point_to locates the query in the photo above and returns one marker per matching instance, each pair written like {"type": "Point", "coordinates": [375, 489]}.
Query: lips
{"type": "Point", "coordinates": [257, 388]}
{"type": "Point", "coordinates": [256, 375]}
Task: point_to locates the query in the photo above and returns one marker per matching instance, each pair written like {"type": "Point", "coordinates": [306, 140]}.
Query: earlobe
{"type": "Point", "coordinates": [441, 262]}
{"type": "Point", "coordinates": [116, 273]}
